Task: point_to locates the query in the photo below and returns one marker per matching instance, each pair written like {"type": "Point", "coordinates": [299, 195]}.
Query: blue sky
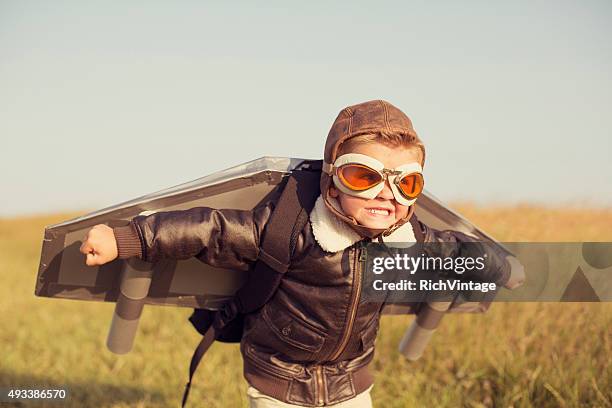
{"type": "Point", "coordinates": [101, 102]}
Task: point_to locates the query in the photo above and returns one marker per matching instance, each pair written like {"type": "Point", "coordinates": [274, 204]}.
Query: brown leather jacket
{"type": "Point", "coordinates": [312, 342]}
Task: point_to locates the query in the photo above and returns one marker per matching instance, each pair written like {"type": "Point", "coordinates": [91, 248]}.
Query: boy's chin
{"type": "Point", "coordinates": [372, 222]}
{"type": "Point", "coordinates": [376, 225]}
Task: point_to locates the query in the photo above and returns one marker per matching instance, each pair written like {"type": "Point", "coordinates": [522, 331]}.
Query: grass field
{"type": "Point", "coordinates": [516, 355]}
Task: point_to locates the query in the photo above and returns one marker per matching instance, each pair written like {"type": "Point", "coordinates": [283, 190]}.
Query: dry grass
{"type": "Point", "coordinates": [516, 355]}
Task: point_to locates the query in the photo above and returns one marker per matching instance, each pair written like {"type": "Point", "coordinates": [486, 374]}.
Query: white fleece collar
{"type": "Point", "coordinates": [334, 234]}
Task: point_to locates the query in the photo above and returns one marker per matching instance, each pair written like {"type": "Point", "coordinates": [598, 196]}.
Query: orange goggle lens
{"type": "Point", "coordinates": [358, 177]}
{"type": "Point", "coordinates": [411, 185]}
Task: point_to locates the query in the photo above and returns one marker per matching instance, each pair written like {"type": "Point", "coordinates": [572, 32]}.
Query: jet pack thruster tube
{"type": "Point", "coordinates": [422, 328]}
{"type": "Point", "coordinates": [135, 283]}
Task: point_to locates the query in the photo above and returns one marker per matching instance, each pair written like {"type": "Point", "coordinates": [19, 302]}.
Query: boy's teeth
{"type": "Point", "coordinates": [375, 211]}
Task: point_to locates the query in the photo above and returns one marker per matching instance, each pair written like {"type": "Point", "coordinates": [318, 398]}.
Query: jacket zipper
{"type": "Point", "coordinates": [354, 302]}
{"type": "Point", "coordinates": [320, 386]}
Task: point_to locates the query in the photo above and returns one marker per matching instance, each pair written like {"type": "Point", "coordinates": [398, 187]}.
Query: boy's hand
{"type": "Point", "coordinates": [517, 273]}
{"type": "Point", "coordinates": [99, 245]}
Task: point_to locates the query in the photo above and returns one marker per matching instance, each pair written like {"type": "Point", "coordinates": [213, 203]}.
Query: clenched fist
{"type": "Point", "coordinates": [517, 273]}
{"type": "Point", "coordinates": [99, 245]}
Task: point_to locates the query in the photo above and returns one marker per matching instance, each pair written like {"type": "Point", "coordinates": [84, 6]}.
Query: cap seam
{"type": "Point", "coordinates": [386, 115]}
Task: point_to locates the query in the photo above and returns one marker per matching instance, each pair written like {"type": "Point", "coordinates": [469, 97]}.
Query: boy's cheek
{"type": "Point", "coordinates": [351, 205]}
{"type": "Point", "coordinates": [401, 211]}
{"type": "Point", "coordinates": [348, 204]}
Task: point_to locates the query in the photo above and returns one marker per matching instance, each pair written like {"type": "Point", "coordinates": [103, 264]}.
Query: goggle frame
{"type": "Point", "coordinates": [394, 176]}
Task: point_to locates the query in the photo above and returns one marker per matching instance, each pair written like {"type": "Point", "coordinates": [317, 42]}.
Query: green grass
{"type": "Point", "coordinates": [516, 355]}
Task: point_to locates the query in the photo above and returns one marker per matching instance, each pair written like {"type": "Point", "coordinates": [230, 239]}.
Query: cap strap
{"type": "Point", "coordinates": [327, 168]}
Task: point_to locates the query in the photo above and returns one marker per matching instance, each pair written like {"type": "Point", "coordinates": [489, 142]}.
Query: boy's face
{"type": "Point", "coordinates": [382, 211]}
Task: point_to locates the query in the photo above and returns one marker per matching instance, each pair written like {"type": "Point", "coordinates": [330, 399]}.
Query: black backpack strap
{"type": "Point", "coordinates": [201, 349]}
{"type": "Point", "coordinates": [279, 240]}
{"type": "Point", "coordinates": [416, 228]}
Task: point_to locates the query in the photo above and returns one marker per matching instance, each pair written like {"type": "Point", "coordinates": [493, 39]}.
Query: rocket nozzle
{"type": "Point", "coordinates": [135, 283]}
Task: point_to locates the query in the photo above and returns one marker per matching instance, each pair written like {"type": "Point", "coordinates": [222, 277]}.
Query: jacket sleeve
{"type": "Point", "coordinates": [457, 244]}
{"type": "Point", "coordinates": [224, 238]}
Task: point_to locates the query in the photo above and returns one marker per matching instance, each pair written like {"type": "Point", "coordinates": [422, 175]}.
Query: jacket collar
{"type": "Point", "coordinates": [334, 235]}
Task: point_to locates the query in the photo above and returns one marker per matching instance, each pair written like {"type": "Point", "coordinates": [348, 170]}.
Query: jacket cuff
{"type": "Point", "coordinates": [506, 270]}
{"type": "Point", "coordinates": [128, 241]}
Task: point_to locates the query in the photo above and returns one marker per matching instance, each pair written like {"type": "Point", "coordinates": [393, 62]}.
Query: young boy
{"type": "Point", "coordinates": [311, 344]}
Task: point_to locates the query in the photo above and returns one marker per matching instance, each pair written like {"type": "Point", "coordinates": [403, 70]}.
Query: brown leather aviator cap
{"type": "Point", "coordinates": [372, 117]}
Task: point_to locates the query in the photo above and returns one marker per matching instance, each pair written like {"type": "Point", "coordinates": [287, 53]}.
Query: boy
{"type": "Point", "coordinates": [311, 344]}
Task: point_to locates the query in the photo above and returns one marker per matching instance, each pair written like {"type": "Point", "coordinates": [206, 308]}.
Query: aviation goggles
{"type": "Point", "coordinates": [363, 176]}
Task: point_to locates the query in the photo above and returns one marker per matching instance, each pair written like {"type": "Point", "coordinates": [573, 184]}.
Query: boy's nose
{"type": "Point", "coordinates": [386, 193]}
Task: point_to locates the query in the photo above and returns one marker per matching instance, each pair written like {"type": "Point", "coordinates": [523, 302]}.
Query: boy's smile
{"type": "Point", "coordinates": [382, 211]}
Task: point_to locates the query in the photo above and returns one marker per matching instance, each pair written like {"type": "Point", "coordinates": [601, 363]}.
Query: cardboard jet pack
{"type": "Point", "coordinates": [191, 283]}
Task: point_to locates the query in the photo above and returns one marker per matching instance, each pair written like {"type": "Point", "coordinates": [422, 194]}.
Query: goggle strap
{"type": "Point", "coordinates": [327, 168]}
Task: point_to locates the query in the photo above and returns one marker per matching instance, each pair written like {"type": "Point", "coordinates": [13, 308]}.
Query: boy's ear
{"type": "Point", "coordinates": [333, 192]}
